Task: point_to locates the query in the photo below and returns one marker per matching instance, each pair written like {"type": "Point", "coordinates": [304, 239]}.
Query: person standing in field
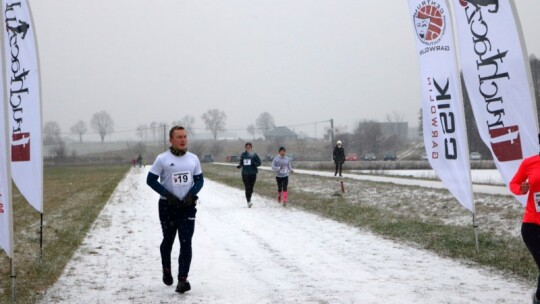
{"type": "Point", "coordinates": [249, 161]}
{"type": "Point", "coordinates": [180, 179]}
{"type": "Point", "coordinates": [527, 181]}
{"type": "Point", "coordinates": [282, 166]}
{"type": "Point", "coordinates": [339, 157]}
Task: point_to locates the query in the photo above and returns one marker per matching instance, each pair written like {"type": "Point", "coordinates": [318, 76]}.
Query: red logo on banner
{"type": "Point", "coordinates": [20, 147]}
{"type": "Point", "coordinates": [506, 143]}
{"type": "Point", "coordinates": [430, 23]}
{"type": "Point", "coordinates": [478, 3]}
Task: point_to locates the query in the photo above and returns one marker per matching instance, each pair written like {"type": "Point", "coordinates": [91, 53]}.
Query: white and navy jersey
{"type": "Point", "coordinates": [176, 172]}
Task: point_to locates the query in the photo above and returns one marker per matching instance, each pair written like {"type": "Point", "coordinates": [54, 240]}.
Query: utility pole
{"type": "Point", "coordinates": [164, 137]}
{"type": "Point", "coordinates": [332, 136]}
{"type": "Point", "coordinates": [332, 128]}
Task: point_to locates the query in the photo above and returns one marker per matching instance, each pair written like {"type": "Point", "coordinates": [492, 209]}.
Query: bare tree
{"type": "Point", "coordinates": [51, 133]}
{"type": "Point", "coordinates": [251, 130]}
{"type": "Point", "coordinates": [142, 132]}
{"type": "Point", "coordinates": [153, 127]}
{"type": "Point", "coordinates": [215, 121]}
{"type": "Point", "coordinates": [187, 122]}
{"type": "Point", "coordinates": [102, 123]}
{"type": "Point", "coordinates": [136, 148]}
{"type": "Point", "coordinates": [370, 135]}
{"type": "Point", "coordinates": [197, 147]}
{"type": "Point", "coordinates": [338, 130]}
{"type": "Point", "coordinates": [51, 137]}
{"type": "Point", "coordinates": [265, 122]}
{"type": "Point", "coordinates": [397, 137]}
{"type": "Point", "coordinates": [301, 145]}
{"type": "Point", "coordinates": [79, 129]}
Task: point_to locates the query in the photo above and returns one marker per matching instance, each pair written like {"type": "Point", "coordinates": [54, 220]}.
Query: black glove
{"type": "Point", "coordinates": [172, 199]}
{"type": "Point", "coordinates": [238, 167]}
{"type": "Point", "coordinates": [189, 200]}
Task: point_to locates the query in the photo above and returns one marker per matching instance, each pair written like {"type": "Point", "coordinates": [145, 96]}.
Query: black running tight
{"type": "Point", "coordinates": [531, 236]}
{"type": "Point", "coordinates": [282, 183]}
{"type": "Point", "coordinates": [249, 183]}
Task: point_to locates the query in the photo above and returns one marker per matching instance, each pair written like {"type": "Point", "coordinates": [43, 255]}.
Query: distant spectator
{"type": "Point", "coordinates": [339, 157]}
{"type": "Point", "coordinates": [140, 161]}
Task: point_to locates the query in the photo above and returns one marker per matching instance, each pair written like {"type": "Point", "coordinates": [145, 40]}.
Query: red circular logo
{"type": "Point", "coordinates": [430, 23]}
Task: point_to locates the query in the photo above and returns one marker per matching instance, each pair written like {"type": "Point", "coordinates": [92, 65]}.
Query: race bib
{"type": "Point", "coordinates": [537, 201]}
{"type": "Point", "coordinates": [247, 161]}
{"type": "Point", "coordinates": [283, 170]}
{"type": "Point", "coordinates": [182, 178]}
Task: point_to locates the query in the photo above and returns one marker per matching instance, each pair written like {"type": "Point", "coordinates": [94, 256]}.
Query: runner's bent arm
{"type": "Point", "coordinates": [275, 164]}
{"type": "Point", "coordinates": [518, 179]}
{"type": "Point", "coordinates": [152, 181]}
{"type": "Point", "coordinates": [256, 160]}
{"type": "Point", "coordinates": [198, 182]}
{"type": "Point", "coordinates": [241, 164]}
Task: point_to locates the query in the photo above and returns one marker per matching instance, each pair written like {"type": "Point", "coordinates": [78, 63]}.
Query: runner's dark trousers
{"type": "Point", "coordinates": [531, 236]}
{"type": "Point", "coordinates": [339, 167]}
{"type": "Point", "coordinates": [249, 182]}
{"type": "Point", "coordinates": [173, 220]}
{"type": "Point", "coordinates": [282, 183]}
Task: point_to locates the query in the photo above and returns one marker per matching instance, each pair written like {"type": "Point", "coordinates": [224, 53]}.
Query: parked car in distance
{"type": "Point", "coordinates": [351, 156]}
{"type": "Point", "coordinates": [390, 156]}
{"type": "Point", "coordinates": [207, 158]}
{"type": "Point", "coordinates": [232, 158]}
{"type": "Point", "coordinates": [475, 156]}
{"type": "Point", "coordinates": [370, 156]}
{"type": "Point", "coordinates": [424, 156]}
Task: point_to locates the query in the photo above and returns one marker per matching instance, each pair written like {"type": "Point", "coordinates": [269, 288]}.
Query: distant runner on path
{"type": "Point", "coordinates": [249, 161]}
{"type": "Point", "coordinates": [282, 165]}
{"type": "Point", "coordinates": [180, 179]}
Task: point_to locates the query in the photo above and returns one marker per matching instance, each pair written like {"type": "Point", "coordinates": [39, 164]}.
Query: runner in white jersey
{"type": "Point", "coordinates": [180, 179]}
{"type": "Point", "coordinates": [282, 165]}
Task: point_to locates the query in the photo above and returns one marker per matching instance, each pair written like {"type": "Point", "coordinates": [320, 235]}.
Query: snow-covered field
{"type": "Point", "coordinates": [266, 254]}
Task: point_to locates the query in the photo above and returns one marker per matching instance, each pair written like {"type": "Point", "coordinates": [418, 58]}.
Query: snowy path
{"type": "Point", "coordinates": [266, 254]}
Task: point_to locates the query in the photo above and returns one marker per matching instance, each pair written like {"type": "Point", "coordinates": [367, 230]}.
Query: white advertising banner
{"type": "Point", "coordinates": [6, 214]}
{"type": "Point", "coordinates": [24, 101]}
{"type": "Point", "coordinates": [497, 78]}
{"type": "Point", "coordinates": [444, 129]}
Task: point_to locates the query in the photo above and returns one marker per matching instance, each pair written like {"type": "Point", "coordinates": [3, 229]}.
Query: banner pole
{"type": "Point", "coordinates": [13, 282]}
{"type": "Point", "coordinates": [4, 99]}
{"type": "Point", "coordinates": [41, 238]}
{"type": "Point", "coordinates": [475, 228]}
{"type": "Point", "coordinates": [41, 127]}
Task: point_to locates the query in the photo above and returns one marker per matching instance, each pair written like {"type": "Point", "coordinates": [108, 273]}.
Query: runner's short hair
{"type": "Point", "coordinates": [171, 132]}
{"type": "Point", "coordinates": [281, 148]}
{"type": "Point", "coordinates": [248, 144]}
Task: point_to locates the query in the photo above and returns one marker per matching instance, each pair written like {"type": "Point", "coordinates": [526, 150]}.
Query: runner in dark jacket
{"type": "Point", "coordinates": [249, 161]}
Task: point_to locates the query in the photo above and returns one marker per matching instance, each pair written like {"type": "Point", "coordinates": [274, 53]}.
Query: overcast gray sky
{"type": "Point", "coordinates": [303, 61]}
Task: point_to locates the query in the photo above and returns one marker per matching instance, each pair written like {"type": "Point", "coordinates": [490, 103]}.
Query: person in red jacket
{"type": "Point", "coordinates": [527, 181]}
